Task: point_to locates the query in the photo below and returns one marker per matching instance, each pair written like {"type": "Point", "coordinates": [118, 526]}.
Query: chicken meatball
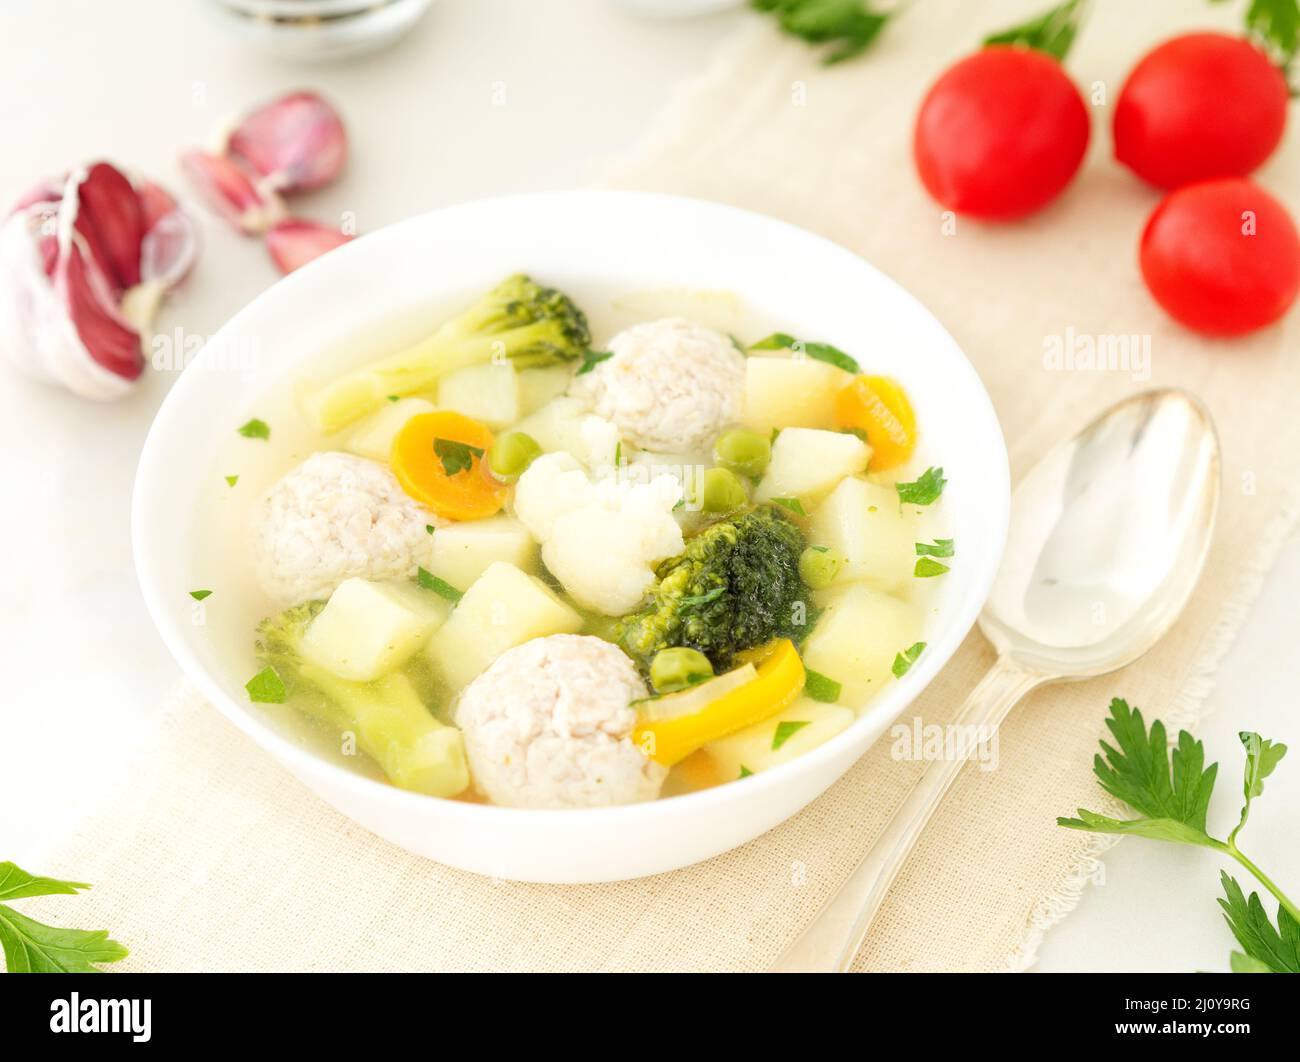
{"type": "Point", "coordinates": [549, 725]}
{"type": "Point", "coordinates": [333, 517]}
{"type": "Point", "coordinates": [671, 385]}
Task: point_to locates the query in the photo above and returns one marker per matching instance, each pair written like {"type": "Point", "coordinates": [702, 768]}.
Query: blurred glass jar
{"type": "Point", "coordinates": [322, 29]}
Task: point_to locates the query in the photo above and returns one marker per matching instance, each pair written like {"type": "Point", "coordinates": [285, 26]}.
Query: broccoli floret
{"type": "Point", "coordinates": [519, 319]}
{"type": "Point", "coordinates": [734, 587]}
{"type": "Point", "coordinates": [391, 723]}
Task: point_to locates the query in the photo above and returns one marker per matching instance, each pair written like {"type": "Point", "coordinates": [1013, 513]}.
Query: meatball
{"type": "Point", "coordinates": [549, 725]}
{"type": "Point", "coordinates": [333, 517]}
{"type": "Point", "coordinates": [671, 385]}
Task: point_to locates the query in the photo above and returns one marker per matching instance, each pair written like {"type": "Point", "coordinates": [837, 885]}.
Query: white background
{"type": "Point", "coordinates": [81, 670]}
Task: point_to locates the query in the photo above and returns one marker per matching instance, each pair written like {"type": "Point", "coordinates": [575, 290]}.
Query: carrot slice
{"type": "Point", "coordinates": [439, 459]}
{"type": "Point", "coordinates": [878, 407]}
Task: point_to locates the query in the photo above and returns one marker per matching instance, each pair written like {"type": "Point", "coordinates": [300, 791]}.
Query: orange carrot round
{"type": "Point", "coordinates": [878, 407]}
{"type": "Point", "coordinates": [439, 459]}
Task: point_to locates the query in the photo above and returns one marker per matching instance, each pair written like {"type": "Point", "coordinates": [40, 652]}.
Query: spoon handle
{"type": "Point", "coordinates": [832, 939]}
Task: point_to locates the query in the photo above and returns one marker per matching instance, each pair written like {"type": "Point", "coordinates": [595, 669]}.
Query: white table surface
{"type": "Point", "coordinates": [83, 671]}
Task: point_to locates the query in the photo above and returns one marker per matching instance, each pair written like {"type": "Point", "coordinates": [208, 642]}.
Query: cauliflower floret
{"type": "Point", "coordinates": [333, 517]}
{"type": "Point", "coordinates": [601, 540]}
{"type": "Point", "coordinates": [549, 725]}
{"type": "Point", "coordinates": [671, 384]}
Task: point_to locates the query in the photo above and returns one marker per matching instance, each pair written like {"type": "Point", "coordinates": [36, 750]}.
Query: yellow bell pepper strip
{"type": "Point", "coordinates": [878, 407]}
{"type": "Point", "coordinates": [778, 680]}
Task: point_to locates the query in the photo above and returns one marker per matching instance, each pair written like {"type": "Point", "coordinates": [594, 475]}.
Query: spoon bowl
{"type": "Point", "coordinates": [1108, 536]}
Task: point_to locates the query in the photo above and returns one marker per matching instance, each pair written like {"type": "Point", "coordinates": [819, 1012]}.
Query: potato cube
{"type": "Point", "coordinates": [808, 463]}
{"type": "Point", "coordinates": [557, 425]}
{"type": "Point", "coordinates": [794, 730]}
{"type": "Point", "coordinates": [857, 637]}
{"type": "Point", "coordinates": [866, 525]}
{"type": "Point", "coordinates": [789, 392]}
{"type": "Point", "coordinates": [489, 393]}
{"type": "Point", "coordinates": [503, 608]}
{"type": "Point", "coordinates": [373, 437]}
{"type": "Point", "coordinates": [368, 629]}
{"type": "Point", "coordinates": [461, 552]}
{"type": "Point", "coordinates": [539, 386]}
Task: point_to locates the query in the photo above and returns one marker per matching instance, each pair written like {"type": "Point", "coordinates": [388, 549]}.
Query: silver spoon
{"type": "Point", "coordinates": [1108, 536]}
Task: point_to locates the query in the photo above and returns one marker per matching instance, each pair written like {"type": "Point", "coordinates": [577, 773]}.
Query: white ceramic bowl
{"type": "Point", "coordinates": [636, 242]}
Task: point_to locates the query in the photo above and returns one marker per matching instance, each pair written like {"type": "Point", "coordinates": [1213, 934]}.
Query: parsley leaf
{"type": "Point", "coordinates": [266, 687]}
{"type": "Point", "coordinates": [691, 602]}
{"type": "Point", "coordinates": [793, 504]}
{"type": "Point", "coordinates": [455, 455]}
{"type": "Point", "coordinates": [1262, 756]}
{"type": "Point", "coordinates": [820, 687]}
{"type": "Point", "coordinates": [1052, 32]}
{"type": "Point", "coordinates": [928, 567]}
{"type": "Point", "coordinates": [923, 490]}
{"type": "Point", "coordinates": [255, 429]}
{"type": "Point", "coordinates": [785, 730]}
{"type": "Point", "coordinates": [1276, 950]}
{"type": "Point", "coordinates": [591, 359]}
{"type": "Point", "coordinates": [819, 351]}
{"type": "Point", "coordinates": [942, 547]}
{"type": "Point", "coordinates": [31, 947]}
{"type": "Point", "coordinates": [1275, 26]}
{"type": "Point", "coordinates": [745, 772]}
{"type": "Point", "coordinates": [850, 25]}
{"type": "Point", "coordinates": [231, 480]}
{"type": "Point", "coordinates": [440, 587]}
{"type": "Point", "coordinates": [199, 595]}
{"type": "Point", "coordinates": [903, 661]}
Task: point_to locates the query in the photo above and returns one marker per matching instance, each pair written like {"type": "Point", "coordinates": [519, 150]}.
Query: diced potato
{"type": "Point", "coordinates": [488, 393]}
{"type": "Point", "coordinates": [374, 436]}
{"type": "Point", "coordinates": [751, 748]}
{"type": "Point", "coordinates": [557, 425]}
{"type": "Point", "coordinates": [503, 608]}
{"type": "Point", "coordinates": [368, 629]}
{"type": "Point", "coordinates": [789, 392]}
{"type": "Point", "coordinates": [461, 552]}
{"type": "Point", "coordinates": [856, 639]}
{"type": "Point", "coordinates": [539, 386]}
{"type": "Point", "coordinates": [867, 526]}
{"type": "Point", "coordinates": [808, 463]}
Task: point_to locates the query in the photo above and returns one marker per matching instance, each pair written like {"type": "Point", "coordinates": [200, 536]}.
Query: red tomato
{"type": "Point", "coordinates": [1200, 106]}
{"type": "Point", "coordinates": [1000, 134]}
{"type": "Point", "coordinates": [1204, 265]}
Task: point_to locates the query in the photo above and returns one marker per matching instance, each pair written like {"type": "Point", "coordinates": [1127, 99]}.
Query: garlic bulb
{"type": "Point", "coordinates": [85, 263]}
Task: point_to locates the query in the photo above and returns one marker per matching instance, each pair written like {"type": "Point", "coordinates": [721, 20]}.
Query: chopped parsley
{"type": "Point", "coordinates": [821, 688]}
{"type": "Point", "coordinates": [924, 490]}
{"type": "Point", "coordinates": [255, 429]}
{"type": "Point", "coordinates": [394, 398]}
{"type": "Point", "coordinates": [903, 661]}
{"type": "Point", "coordinates": [745, 772]}
{"type": "Point", "coordinates": [231, 480]}
{"type": "Point", "coordinates": [591, 359]}
{"type": "Point", "coordinates": [942, 547]}
{"type": "Point", "coordinates": [694, 601]}
{"type": "Point", "coordinates": [440, 587]}
{"type": "Point", "coordinates": [928, 567]}
{"type": "Point", "coordinates": [785, 730]}
{"type": "Point", "coordinates": [428, 529]}
{"type": "Point", "coordinates": [455, 455]}
{"type": "Point", "coordinates": [199, 595]}
{"type": "Point", "coordinates": [266, 687]}
{"type": "Point", "coordinates": [793, 504]}
{"type": "Point", "coordinates": [820, 351]}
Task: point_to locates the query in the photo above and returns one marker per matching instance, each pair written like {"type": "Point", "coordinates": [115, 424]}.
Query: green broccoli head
{"type": "Point", "coordinates": [279, 641]}
{"type": "Point", "coordinates": [734, 587]}
{"type": "Point", "coordinates": [530, 324]}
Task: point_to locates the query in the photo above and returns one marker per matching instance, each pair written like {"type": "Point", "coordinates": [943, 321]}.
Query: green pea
{"type": "Point", "coordinates": [512, 453]}
{"type": "Point", "coordinates": [743, 451]}
{"type": "Point", "coordinates": [675, 669]}
{"type": "Point", "coordinates": [818, 566]}
{"type": "Point", "coordinates": [721, 492]}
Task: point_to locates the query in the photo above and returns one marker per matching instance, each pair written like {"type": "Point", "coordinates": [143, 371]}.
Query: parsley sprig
{"type": "Point", "coordinates": [1275, 26]}
{"type": "Point", "coordinates": [1170, 791]}
{"type": "Point", "coordinates": [851, 26]}
{"type": "Point", "coordinates": [1052, 32]}
{"type": "Point", "coordinates": [32, 947]}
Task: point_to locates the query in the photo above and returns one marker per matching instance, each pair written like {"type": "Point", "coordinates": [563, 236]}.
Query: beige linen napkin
{"type": "Point", "coordinates": [212, 857]}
